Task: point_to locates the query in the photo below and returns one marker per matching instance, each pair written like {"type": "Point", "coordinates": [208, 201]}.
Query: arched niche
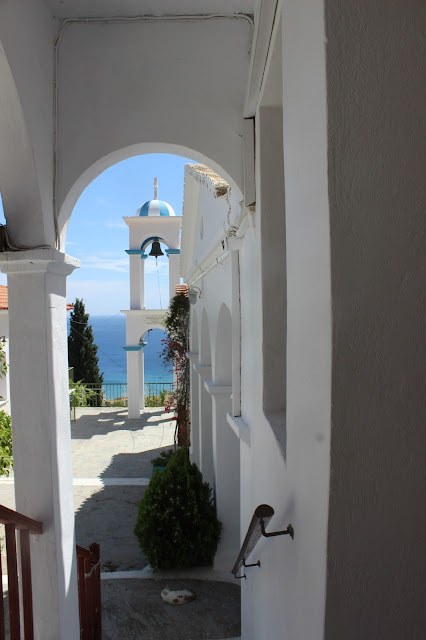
{"type": "Point", "coordinates": [205, 346]}
{"type": "Point", "coordinates": [193, 335]}
{"type": "Point", "coordinates": [205, 416]}
{"type": "Point", "coordinates": [194, 390]}
{"type": "Point", "coordinates": [223, 348]}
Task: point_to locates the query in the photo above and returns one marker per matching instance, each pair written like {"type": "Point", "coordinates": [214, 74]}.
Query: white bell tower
{"type": "Point", "coordinates": [155, 222]}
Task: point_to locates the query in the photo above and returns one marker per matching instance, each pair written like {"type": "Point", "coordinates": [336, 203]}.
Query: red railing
{"type": "Point", "coordinates": [12, 521]}
{"type": "Point", "coordinates": [89, 592]}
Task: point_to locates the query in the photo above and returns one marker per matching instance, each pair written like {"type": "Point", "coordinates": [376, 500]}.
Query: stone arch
{"type": "Point", "coordinates": [102, 164]}
{"type": "Point", "coordinates": [18, 177]}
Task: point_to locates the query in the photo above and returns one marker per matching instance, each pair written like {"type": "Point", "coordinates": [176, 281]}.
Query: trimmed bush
{"type": "Point", "coordinates": [163, 459]}
{"type": "Point", "coordinates": [6, 457]}
{"type": "Point", "coordinates": [177, 524]}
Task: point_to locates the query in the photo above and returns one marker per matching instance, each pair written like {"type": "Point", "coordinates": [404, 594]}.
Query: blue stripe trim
{"type": "Point", "coordinates": [172, 251]}
{"type": "Point", "coordinates": [135, 348]}
{"type": "Point", "coordinates": [134, 252]}
{"type": "Point", "coordinates": [144, 208]}
{"type": "Point", "coordinates": [149, 209]}
{"type": "Point", "coordinates": [164, 210]}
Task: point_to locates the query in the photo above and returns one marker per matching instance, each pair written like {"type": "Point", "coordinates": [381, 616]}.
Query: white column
{"type": "Point", "coordinates": [194, 449]}
{"type": "Point", "coordinates": [142, 284]}
{"type": "Point", "coordinates": [41, 430]}
{"type": "Point", "coordinates": [226, 461]}
{"type": "Point", "coordinates": [133, 382]}
{"type": "Point", "coordinates": [136, 282]}
{"type": "Point", "coordinates": [174, 275]}
{"type": "Point", "coordinates": [205, 423]}
{"type": "Point", "coordinates": [142, 377]}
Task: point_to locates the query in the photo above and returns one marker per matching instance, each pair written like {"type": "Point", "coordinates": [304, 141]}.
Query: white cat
{"type": "Point", "coordinates": [181, 596]}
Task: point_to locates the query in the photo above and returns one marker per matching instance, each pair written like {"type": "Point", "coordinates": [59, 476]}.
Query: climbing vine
{"type": "Point", "coordinates": [175, 346]}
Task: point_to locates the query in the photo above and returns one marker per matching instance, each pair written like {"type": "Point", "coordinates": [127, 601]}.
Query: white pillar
{"type": "Point", "coordinates": [174, 275]}
{"type": "Point", "coordinates": [226, 462]}
{"type": "Point", "coordinates": [41, 430]}
{"type": "Point", "coordinates": [133, 382]}
{"type": "Point", "coordinates": [142, 377]}
{"type": "Point", "coordinates": [142, 284]}
{"type": "Point", "coordinates": [194, 449]}
{"type": "Point", "coordinates": [136, 281]}
{"type": "Point", "coordinates": [205, 423]}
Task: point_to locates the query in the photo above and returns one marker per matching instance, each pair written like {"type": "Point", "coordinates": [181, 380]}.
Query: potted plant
{"type": "Point", "coordinates": [160, 462]}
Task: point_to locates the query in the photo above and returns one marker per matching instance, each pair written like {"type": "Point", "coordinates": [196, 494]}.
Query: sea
{"type": "Point", "coordinates": [110, 337]}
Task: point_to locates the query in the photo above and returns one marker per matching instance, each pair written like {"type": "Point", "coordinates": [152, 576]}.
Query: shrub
{"type": "Point", "coordinates": [6, 458]}
{"type": "Point", "coordinates": [81, 395]}
{"type": "Point", "coordinates": [176, 524]}
{"type": "Point", "coordinates": [163, 459]}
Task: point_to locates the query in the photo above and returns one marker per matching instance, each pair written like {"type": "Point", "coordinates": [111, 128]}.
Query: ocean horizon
{"type": "Point", "coordinates": [110, 337]}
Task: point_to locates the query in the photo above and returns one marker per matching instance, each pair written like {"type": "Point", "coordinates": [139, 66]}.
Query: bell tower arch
{"type": "Point", "coordinates": [155, 222]}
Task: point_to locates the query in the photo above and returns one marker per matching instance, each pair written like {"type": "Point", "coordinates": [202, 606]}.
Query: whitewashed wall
{"type": "Point", "coordinates": [117, 99]}
{"type": "Point", "coordinates": [26, 120]}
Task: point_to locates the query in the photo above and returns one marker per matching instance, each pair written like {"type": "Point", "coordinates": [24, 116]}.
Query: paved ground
{"type": "Point", "coordinates": [214, 614]}
{"type": "Point", "coordinates": [111, 461]}
{"type": "Point", "coordinates": [111, 468]}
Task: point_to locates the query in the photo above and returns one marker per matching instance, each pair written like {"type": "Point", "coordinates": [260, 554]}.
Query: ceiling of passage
{"type": "Point", "coordinates": [108, 8]}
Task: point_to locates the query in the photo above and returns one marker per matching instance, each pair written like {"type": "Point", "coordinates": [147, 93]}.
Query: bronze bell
{"type": "Point", "coordinates": [156, 250]}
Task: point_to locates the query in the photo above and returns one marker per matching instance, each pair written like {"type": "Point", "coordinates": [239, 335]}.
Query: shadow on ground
{"type": "Point", "coordinates": [108, 515]}
{"type": "Point", "coordinates": [133, 609]}
{"type": "Point", "coordinates": [97, 421]}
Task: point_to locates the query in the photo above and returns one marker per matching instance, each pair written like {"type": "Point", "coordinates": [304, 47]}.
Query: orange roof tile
{"type": "Point", "coordinates": [182, 288]}
{"type": "Point", "coordinates": [4, 302]}
{"type": "Point", "coordinates": [3, 297]}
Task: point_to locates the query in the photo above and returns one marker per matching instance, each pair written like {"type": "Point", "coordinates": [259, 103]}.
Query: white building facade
{"type": "Point", "coordinates": [311, 111]}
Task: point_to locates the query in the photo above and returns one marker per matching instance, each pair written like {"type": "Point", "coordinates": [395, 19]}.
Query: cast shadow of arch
{"type": "Point", "coordinates": [108, 515]}
{"type": "Point", "coordinates": [101, 422]}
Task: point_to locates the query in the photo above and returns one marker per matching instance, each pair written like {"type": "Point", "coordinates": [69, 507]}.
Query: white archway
{"type": "Point", "coordinates": [144, 148]}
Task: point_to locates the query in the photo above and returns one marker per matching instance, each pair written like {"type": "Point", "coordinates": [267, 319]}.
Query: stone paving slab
{"type": "Point", "coordinates": [133, 609]}
{"type": "Point", "coordinates": [105, 443]}
{"type": "Point", "coordinates": [108, 516]}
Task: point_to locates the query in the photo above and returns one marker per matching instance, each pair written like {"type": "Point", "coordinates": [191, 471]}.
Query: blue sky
{"type": "Point", "coordinates": [98, 236]}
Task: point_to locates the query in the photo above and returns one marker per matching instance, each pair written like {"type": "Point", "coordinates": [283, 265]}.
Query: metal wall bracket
{"type": "Point", "coordinates": [286, 532]}
{"type": "Point", "coordinates": [241, 577]}
{"type": "Point", "coordinates": [255, 564]}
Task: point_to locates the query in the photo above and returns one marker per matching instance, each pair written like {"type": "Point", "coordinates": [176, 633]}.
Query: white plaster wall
{"type": "Point", "coordinates": [141, 228]}
{"type": "Point", "coordinates": [286, 596]}
{"type": "Point", "coordinates": [292, 576]}
{"type": "Point", "coordinates": [376, 98]}
{"type": "Point", "coordinates": [113, 93]}
{"type": "Point", "coordinates": [26, 34]}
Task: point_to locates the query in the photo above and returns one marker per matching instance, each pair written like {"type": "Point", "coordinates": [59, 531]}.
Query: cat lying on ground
{"type": "Point", "coordinates": [181, 596]}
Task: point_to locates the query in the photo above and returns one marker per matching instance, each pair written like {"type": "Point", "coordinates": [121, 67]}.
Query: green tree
{"type": "Point", "coordinates": [82, 351]}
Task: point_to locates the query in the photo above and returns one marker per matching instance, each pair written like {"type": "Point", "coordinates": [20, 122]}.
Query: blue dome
{"type": "Point", "coordinates": [155, 208]}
